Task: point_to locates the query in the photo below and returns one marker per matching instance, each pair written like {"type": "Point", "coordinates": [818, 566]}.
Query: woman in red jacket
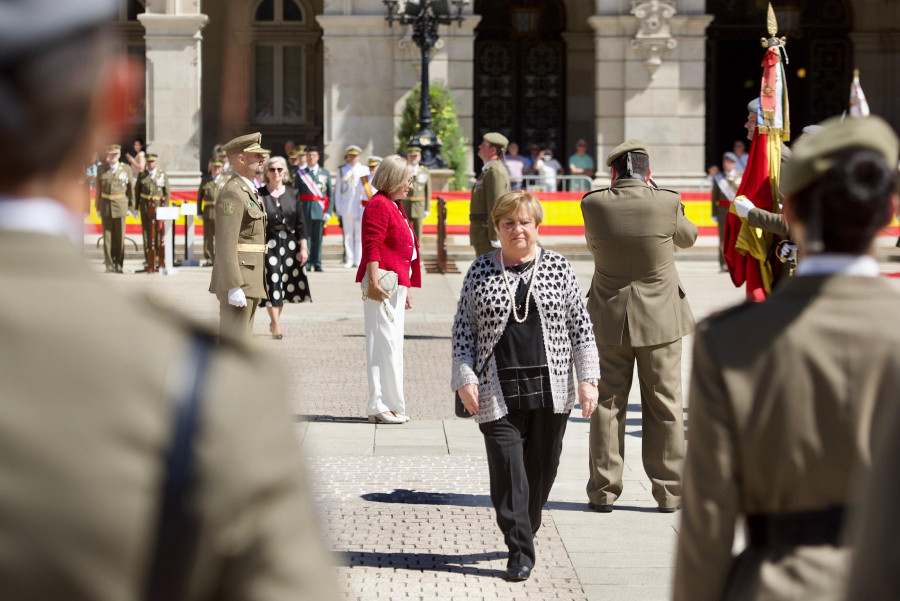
{"type": "Point", "coordinates": [388, 245]}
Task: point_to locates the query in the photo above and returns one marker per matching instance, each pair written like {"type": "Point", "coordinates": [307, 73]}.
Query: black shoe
{"type": "Point", "coordinates": [207, 264]}
{"type": "Point", "coordinates": [518, 573]}
{"type": "Point", "coordinates": [600, 508]}
{"type": "Point", "coordinates": [318, 268]}
{"type": "Point", "coordinates": [669, 509]}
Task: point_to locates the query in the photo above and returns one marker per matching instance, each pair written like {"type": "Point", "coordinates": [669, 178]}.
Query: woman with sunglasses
{"type": "Point", "coordinates": [287, 250]}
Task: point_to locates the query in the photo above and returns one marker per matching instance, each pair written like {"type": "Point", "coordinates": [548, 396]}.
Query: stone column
{"type": "Point", "coordinates": [371, 67]}
{"type": "Point", "coordinates": [650, 78]}
{"type": "Point", "coordinates": [173, 88]}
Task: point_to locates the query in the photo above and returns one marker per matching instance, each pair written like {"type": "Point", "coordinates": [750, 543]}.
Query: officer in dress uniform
{"type": "Point", "coordinates": [316, 201]}
{"type": "Point", "coordinates": [152, 189]}
{"type": "Point", "coordinates": [492, 183]}
{"type": "Point", "coordinates": [296, 162]}
{"type": "Point", "coordinates": [238, 278]}
{"type": "Point", "coordinates": [346, 206]}
{"type": "Point", "coordinates": [116, 201]}
{"type": "Point", "coordinates": [417, 203]}
{"type": "Point", "coordinates": [725, 185]}
{"type": "Point", "coordinates": [640, 313]}
{"type": "Point", "coordinates": [210, 184]}
{"type": "Point", "coordinates": [84, 454]}
{"type": "Point", "coordinates": [784, 395]}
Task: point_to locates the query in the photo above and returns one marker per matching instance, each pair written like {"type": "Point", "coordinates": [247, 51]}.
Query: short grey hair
{"type": "Point", "coordinates": [285, 175]}
{"type": "Point", "coordinates": [393, 173]}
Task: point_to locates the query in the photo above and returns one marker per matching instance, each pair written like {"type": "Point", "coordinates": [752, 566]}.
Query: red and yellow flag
{"type": "Point", "coordinates": [749, 252]}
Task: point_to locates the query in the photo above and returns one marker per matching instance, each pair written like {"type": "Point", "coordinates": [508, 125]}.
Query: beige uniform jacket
{"type": "Point", "coordinates": [415, 203]}
{"type": "Point", "coordinates": [771, 222]}
{"type": "Point", "coordinates": [85, 422]}
{"type": "Point", "coordinates": [240, 238]}
{"type": "Point", "coordinates": [492, 183]}
{"type": "Point", "coordinates": [114, 189]}
{"type": "Point", "coordinates": [632, 229]}
{"type": "Point", "coordinates": [154, 187]}
{"type": "Point", "coordinates": [782, 398]}
{"type": "Point", "coordinates": [206, 196]}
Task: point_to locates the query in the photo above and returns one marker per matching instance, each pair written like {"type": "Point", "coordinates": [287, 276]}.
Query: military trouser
{"type": "Point", "coordinates": [662, 420]}
{"type": "Point", "coordinates": [236, 322]}
{"type": "Point", "coordinates": [721, 214]}
{"type": "Point", "coordinates": [480, 237]}
{"type": "Point", "coordinates": [314, 230]}
{"type": "Point", "coordinates": [415, 211]}
{"type": "Point", "coordinates": [150, 230]}
{"type": "Point", "coordinates": [113, 239]}
{"type": "Point", "coordinates": [209, 233]}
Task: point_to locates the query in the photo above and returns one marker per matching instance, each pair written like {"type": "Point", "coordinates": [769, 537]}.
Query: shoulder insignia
{"type": "Point", "coordinates": [228, 208]}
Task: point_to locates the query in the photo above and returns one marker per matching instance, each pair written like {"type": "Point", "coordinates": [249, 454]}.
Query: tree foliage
{"type": "Point", "coordinates": [444, 122]}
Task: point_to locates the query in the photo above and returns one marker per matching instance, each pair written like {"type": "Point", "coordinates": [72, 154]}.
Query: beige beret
{"type": "Point", "coordinates": [815, 153]}
{"type": "Point", "coordinates": [497, 139]}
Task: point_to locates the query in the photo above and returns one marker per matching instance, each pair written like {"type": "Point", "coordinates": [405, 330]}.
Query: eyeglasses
{"type": "Point", "coordinates": [411, 181]}
{"type": "Point", "coordinates": [275, 169]}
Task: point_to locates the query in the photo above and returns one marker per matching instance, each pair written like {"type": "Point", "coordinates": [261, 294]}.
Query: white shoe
{"type": "Point", "coordinates": [405, 418]}
{"type": "Point", "coordinates": [348, 265]}
{"type": "Point", "coordinates": [385, 418]}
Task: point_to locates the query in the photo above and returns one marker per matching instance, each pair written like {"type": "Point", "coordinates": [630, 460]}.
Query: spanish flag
{"type": "Point", "coordinates": [749, 252]}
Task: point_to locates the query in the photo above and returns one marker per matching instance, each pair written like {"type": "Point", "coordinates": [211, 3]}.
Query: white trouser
{"type": "Point", "coordinates": [352, 226]}
{"type": "Point", "coordinates": [384, 354]}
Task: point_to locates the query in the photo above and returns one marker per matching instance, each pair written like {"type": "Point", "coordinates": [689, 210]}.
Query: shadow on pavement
{"type": "Point", "coordinates": [582, 506]}
{"type": "Point", "coordinates": [461, 564]}
{"type": "Point", "coordinates": [303, 417]}
{"type": "Point", "coordinates": [415, 497]}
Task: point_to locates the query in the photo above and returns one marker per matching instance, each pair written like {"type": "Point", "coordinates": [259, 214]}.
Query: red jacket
{"type": "Point", "coordinates": [388, 239]}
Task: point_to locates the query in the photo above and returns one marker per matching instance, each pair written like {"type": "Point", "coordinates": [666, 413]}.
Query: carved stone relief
{"type": "Point", "coordinates": [654, 35]}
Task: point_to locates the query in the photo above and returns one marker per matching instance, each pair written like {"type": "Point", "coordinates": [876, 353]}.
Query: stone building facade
{"type": "Point", "coordinates": [677, 73]}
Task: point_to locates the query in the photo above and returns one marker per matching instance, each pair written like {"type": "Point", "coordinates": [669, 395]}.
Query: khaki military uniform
{"type": "Point", "coordinates": [84, 449]}
{"type": "Point", "coordinates": [492, 183]}
{"type": "Point", "coordinates": [240, 254]}
{"type": "Point", "coordinates": [720, 205]}
{"type": "Point", "coordinates": [640, 313]}
{"type": "Point", "coordinates": [417, 202]}
{"type": "Point", "coordinates": [152, 192]}
{"type": "Point", "coordinates": [115, 197]}
{"type": "Point", "coordinates": [783, 395]}
{"type": "Point", "coordinates": [206, 207]}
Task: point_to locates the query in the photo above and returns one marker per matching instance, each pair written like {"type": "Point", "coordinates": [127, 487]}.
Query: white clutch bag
{"type": "Point", "coordinates": [388, 282]}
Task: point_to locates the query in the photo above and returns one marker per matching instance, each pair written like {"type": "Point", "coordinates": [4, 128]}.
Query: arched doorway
{"type": "Point", "coordinates": [818, 72]}
{"type": "Point", "coordinates": [520, 72]}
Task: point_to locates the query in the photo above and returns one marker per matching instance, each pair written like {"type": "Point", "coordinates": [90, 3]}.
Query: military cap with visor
{"type": "Point", "coordinates": [113, 148]}
{"type": "Point", "coordinates": [151, 157]}
{"type": "Point", "coordinates": [413, 151]}
{"type": "Point", "coordinates": [216, 163]}
{"type": "Point", "coordinates": [374, 161]}
{"type": "Point", "coordinates": [248, 143]}
{"type": "Point", "coordinates": [816, 153]}
{"type": "Point", "coordinates": [352, 150]}
{"type": "Point", "coordinates": [497, 139]}
{"type": "Point", "coordinates": [629, 146]}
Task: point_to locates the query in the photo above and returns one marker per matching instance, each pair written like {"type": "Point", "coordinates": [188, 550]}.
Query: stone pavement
{"type": "Point", "coordinates": [406, 508]}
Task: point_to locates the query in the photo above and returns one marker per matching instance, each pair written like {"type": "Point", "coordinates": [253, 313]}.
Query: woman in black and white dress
{"type": "Point", "coordinates": [287, 251]}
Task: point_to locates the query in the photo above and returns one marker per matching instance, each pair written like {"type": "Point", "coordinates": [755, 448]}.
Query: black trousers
{"type": "Point", "coordinates": [523, 450]}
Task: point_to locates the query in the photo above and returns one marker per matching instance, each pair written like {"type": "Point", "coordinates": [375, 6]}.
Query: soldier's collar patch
{"type": "Point", "coordinates": [228, 208]}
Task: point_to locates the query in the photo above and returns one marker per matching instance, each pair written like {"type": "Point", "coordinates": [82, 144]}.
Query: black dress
{"type": "Point", "coordinates": [285, 277]}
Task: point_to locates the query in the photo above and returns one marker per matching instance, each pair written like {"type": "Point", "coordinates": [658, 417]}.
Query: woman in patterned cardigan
{"type": "Point", "coordinates": [520, 325]}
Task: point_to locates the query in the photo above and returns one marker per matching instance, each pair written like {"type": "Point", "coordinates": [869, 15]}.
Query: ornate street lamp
{"type": "Point", "coordinates": [425, 16]}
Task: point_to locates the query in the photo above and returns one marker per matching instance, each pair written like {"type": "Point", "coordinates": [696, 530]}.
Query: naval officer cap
{"type": "Point", "coordinates": [629, 146]}
{"type": "Point", "coordinates": [27, 26]}
{"type": "Point", "coordinates": [352, 150]}
{"type": "Point", "coordinates": [497, 139]}
{"type": "Point", "coordinates": [816, 153]}
{"type": "Point", "coordinates": [753, 106]}
{"type": "Point", "coordinates": [730, 156]}
{"type": "Point", "coordinates": [374, 161]}
{"type": "Point", "coordinates": [247, 143]}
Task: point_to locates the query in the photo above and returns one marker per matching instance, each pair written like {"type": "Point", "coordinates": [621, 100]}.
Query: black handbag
{"type": "Point", "coordinates": [458, 406]}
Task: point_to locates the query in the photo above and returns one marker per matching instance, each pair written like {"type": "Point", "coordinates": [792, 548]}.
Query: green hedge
{"type": "Point", "coordinates": [444, 122]}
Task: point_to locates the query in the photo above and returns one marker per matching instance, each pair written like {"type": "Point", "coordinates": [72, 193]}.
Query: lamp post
{"type": "Point", "coordinates": [424, 16]}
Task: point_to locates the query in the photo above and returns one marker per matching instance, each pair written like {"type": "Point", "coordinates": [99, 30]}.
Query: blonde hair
{"type": "Point", "coordinates": [285, 175]}
{"type": "Point", "coordinates": [512, 202]}
{"type": "Point", "coordinates": [392, 174]}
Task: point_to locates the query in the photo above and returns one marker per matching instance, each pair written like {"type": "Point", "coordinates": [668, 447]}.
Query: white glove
{"type": "Point", "coordinates": [743, 206]}
{"type": "Point", "coordinates": [788, 252]}
{"type": "Point", "coordinates": [715, 219]}
{"type": "Point", "coordinates": [128, 213]}
{"type": "Point", "coordinates": [237, 298]}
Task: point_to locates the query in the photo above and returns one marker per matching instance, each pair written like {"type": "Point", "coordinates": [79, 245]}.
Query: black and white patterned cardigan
{"type": "Point", "coordinates": [481, 316]}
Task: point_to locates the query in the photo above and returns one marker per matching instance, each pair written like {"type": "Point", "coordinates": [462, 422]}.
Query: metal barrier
{"type": "Point", "coordinates": [563, 183]}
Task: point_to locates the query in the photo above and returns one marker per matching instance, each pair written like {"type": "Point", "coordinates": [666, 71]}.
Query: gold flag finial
{"type": "Point", "coordinates": [856, 74]}
{"type": "Point", "coordinates": [771, 21]}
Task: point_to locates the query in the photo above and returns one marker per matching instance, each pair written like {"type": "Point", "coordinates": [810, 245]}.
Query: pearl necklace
{"type": "Point", "coordinates": [512, 298]}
